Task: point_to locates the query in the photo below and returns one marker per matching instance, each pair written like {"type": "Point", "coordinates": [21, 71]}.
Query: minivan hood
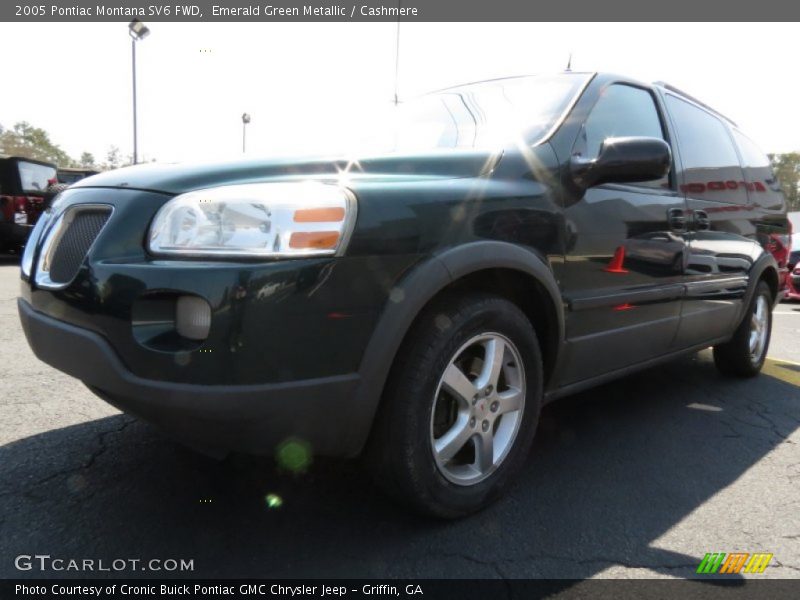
{"type": "Point", "coordinates": [185, 177]}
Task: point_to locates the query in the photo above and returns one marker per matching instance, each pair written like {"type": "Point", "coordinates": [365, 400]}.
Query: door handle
{"type": "Point", "coordinates": [701, 220]}
{"type": "Point", "coordinates": [676, 219]}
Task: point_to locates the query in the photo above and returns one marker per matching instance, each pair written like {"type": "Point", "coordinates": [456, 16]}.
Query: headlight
{"type": "Point", "coordinates": [270, 220]}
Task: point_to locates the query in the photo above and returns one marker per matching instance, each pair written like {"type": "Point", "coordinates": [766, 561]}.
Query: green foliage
{"type": "Point", "coordinates": [113, 159]}
{"type": "Point", "coordinates": [787, 170]}
{"type": "Point", "coordinates": [23, 139]}
{"type": "Point", "coordinates": [87, 160]}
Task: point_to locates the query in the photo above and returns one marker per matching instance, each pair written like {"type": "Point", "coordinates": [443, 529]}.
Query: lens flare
{"type": "Point", "coordinates": [294, 455]}
{"type": "Point", "coordinates": [273, 501]}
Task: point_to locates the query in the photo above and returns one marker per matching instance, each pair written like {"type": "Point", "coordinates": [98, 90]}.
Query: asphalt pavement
{"type": "Point", "coordinates": [637, 478]}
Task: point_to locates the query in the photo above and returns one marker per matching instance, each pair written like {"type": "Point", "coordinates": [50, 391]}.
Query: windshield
{"type": "Point", "coordinates": [34, 177]}
{"type": "Point", "coordinates": [482, 115]}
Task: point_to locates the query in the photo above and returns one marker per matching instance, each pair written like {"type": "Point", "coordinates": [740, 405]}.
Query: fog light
{"type": "Point", "coordinates": [192, 317]}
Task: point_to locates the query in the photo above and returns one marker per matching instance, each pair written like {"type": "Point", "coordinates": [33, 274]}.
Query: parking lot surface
{"type": "Point", "coordinates": [637, 478]}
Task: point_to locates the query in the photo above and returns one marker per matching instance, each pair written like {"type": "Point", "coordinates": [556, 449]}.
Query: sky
{"type": "Point", "coordinates": [302, 83]}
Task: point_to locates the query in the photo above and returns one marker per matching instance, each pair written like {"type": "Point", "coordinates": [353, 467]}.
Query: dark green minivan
{"type": "Point", "coordinates": [513, 241]}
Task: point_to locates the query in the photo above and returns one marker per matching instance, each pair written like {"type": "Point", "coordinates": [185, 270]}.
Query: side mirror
{"type": "Point", "coordinates": [623, 160]}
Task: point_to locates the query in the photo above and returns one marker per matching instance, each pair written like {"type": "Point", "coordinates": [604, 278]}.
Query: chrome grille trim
{"type": "Point", "coordinates": [53, 238]}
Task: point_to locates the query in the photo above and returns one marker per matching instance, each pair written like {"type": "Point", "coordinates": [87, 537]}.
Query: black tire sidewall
{"type": "Point", "coordinates": [733, 357]}
{"type": "Point", "coordinates": [761, 290]}
{"type": "Point", "coordinates": [449, 330]}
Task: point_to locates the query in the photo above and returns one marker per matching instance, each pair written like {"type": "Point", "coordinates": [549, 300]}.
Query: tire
{"type": "Point", "coordinates": [744, 354]}
{"type": "Point", "coordinates": [420, 411]}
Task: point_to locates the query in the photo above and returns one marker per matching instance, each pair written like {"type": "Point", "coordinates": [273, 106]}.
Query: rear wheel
{"type": "Point", "coordinates": [744, 354]}
{"type": "Point", "coordinates": [460, 407]}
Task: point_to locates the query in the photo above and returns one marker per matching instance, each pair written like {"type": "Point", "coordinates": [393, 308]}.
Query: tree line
{"type": "Point", "coordinates": [25, 140]}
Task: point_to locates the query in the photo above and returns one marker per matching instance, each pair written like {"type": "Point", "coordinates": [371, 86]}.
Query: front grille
{"type": "Point", "coordinates": [74, 243]}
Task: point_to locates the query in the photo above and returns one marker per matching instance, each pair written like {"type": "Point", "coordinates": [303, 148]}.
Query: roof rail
{"type": "Point", "coordinates": [680, 92]}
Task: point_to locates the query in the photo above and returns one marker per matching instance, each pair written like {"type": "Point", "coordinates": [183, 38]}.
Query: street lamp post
{"type": "Point", "coordinates": [245, 121]}
{"type": "Point", "coordinates": [138, 31]}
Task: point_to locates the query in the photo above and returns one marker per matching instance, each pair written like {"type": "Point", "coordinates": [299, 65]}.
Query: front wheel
{"type": "Point", "coordinates": [460, 408]}
{"type": "Point", "coordinates": [744, 354]}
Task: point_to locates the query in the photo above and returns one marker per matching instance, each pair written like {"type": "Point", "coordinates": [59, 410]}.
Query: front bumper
{"type": "Point", "coordinates": [322, 412]}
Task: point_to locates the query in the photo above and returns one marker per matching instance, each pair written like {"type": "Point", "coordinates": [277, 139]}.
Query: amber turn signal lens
{"type": "Point", "coordinates": [314, 239]}
{"type": "Point", "coordinates": [332, 214]}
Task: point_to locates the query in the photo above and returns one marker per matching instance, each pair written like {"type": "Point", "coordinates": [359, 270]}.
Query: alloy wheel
{"type": "Point", "coordinates": [477, 409]}
{"type": "Point", "coordinates": [759, 328]}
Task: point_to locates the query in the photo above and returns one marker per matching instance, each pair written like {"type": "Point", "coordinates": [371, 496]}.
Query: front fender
{"type": "Point", "coordinates": [761, 268]}
{"type": "Point", "coordinates": [423, 282]}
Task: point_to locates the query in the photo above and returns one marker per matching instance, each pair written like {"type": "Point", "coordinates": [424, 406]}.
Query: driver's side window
{"type": "Point", "coordinates": [622, 111]}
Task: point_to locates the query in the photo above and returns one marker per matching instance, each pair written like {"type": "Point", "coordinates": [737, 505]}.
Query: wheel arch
{"type": "Point", "coordinates": [764, 269]}
{"type": "Point", "coordinates": [519, 274]}
{"type": "Point", "coordinates": [770, 276]}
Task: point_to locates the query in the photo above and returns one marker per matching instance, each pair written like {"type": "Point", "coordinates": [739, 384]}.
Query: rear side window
{"type": "Point", "coordinates": [710, 162]}
{"type": "Point", "coordinates": [762, 185]}
{"type": "Point", "coordinates": [623, 111]}
{"type": "Point", "coordinates": [752, 156]}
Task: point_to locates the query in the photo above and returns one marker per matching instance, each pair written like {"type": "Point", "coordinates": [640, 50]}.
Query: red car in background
{"type": "Point", "coordinates": [23, 187]}
{"type": "Point", "coordinates": [793, 278]}
{"type": "Point", "coordinates": [793, 259]}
